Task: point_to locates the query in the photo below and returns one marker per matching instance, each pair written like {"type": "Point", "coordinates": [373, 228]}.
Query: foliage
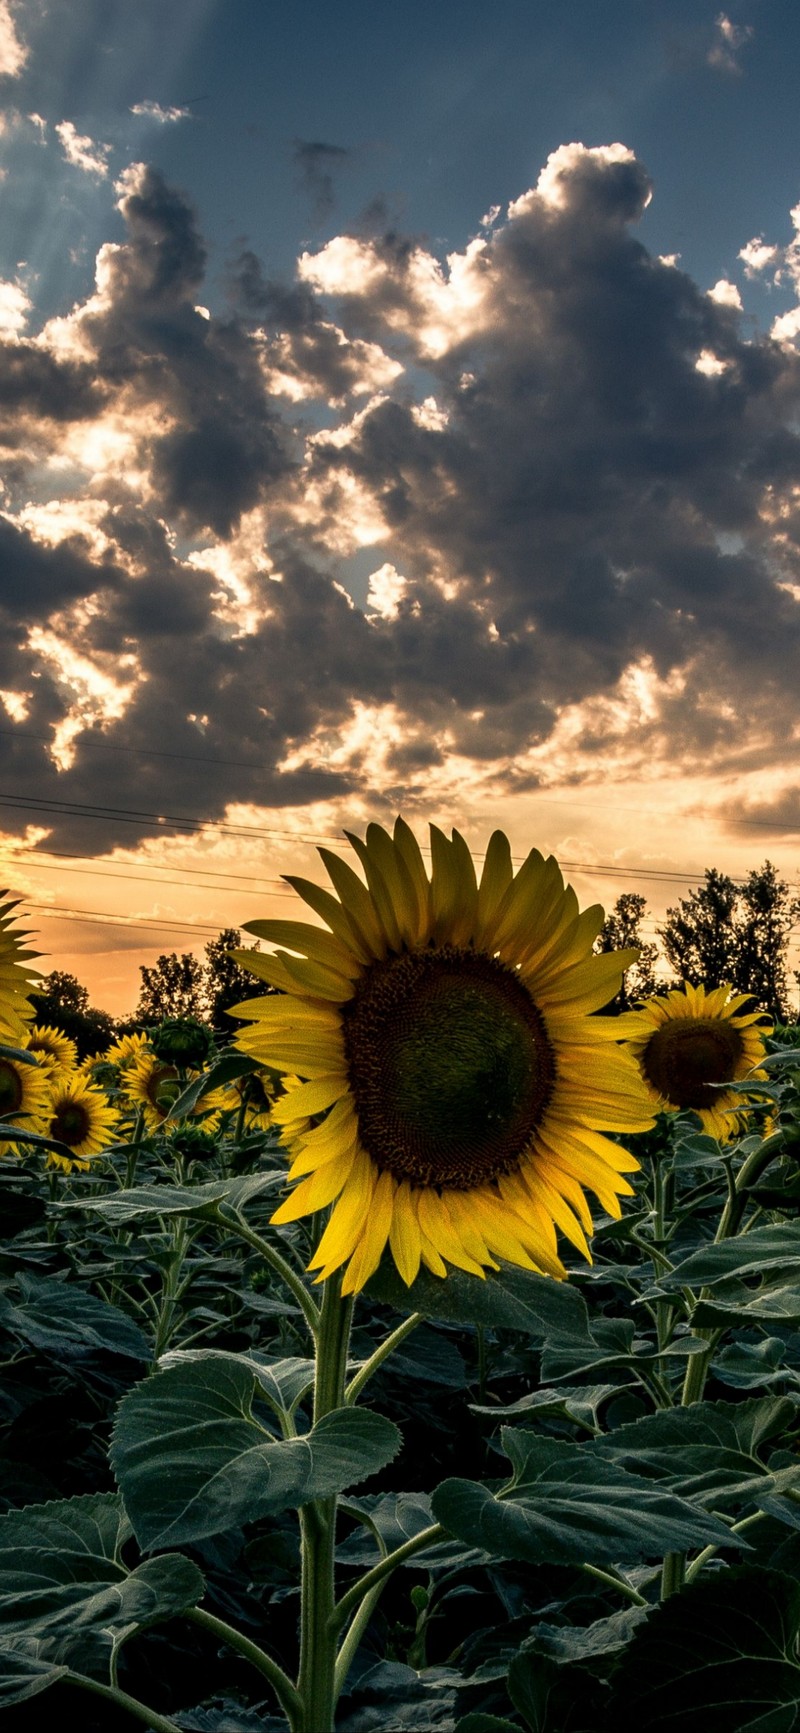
{"type": "Point", "coordinates": [735, 934]}
{"type": "Point", "coordinates": [181, 986]}
{"type": "Point", "coordinates": [620, 930]}
{"type": "Point", "coordinates": [62, 1001]}
{"type": "Point", "coordinates": [591, 1489]}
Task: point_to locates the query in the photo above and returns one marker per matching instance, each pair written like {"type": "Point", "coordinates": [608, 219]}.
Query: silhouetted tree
{"type": "Point", "coordinates": [64, 1002]}
{"type": "Point", "coordinates": [226, 982]}
{"type": "Point", "coordinates": [173, 987]}
{"type": "Point", "coordinates": [620, 930]}
{"type": "Point", "coordinates": [766, 914]}
{"type": "Point", "coordinates": [700, 935]}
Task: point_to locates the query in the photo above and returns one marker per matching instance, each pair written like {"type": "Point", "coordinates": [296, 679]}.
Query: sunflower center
{"type": "Point", "coordinates": [683, 1060]}
{"type": "Point", "coordinates": [71, 1123]}
{"type": "Point", "coordinates": [450, 1066]}
{"type": "Point", "coordinates": [10, 1089]}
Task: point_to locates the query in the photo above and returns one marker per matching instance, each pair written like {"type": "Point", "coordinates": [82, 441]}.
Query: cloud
{"type": "Point", "coordinates": [565, 477]}
{"type": "Point", "coordinates": [81, 151]}
{"type": "Point", "coordinates": [316, 164]}
{"type": "Point", "coordinates": [13, 51]}
{"type": "Point", "coordinates": [162, 116]}
{"type": "Point", "coordinates": [729, 40]}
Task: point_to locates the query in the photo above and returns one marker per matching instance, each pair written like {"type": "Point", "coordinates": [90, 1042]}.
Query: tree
{"type": "Point", "coordinates": [766, 915]}
{"type": "Point", "coordinates": [173, 987]}
{"type": "Point", "coordinates": [700, 935]}
{"type": "Point", "coordinates": [226, 982]}
{"type": "Point", "coordinates": [63, 1002]}
{"type": "Point", "coordinates": [622, 929]}
{"type": "Point", "coordinates": [737, 935]}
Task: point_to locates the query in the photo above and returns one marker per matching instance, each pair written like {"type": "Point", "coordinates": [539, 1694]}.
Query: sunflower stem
{"type": "Point", "coordinates": [113, 1694]}
{"type": "Point", "coordinates": [232, 1220]}
{"type": "Point", "coordinates": [316, 1682]}
{"type": "Point", "coordinates": [281, 1684]}
{"type": "Point", "coordinates": [381, 1353]}
{"type": "Point", "coordinates": [384, 1568]}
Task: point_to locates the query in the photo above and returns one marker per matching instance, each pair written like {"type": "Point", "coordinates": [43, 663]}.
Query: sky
{"type": "Point", "coordinates": [399, 413]}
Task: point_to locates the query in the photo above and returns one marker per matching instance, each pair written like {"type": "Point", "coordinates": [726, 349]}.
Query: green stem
{"type": "Point", "coordinates": [729, 1223]}
{"type": "Point", "coordinates": [708, 1552]}
{"type": "Point", "coordinates": [384, 1568]}
{"type": "Point", "coordinates": [113, 1694]}
{"type": "Point", "coordinates": [672, 1574]}
{"type": "Point", "coordinates": [311, 1313]}
{"type": "Point", "coordinates": [316, 1680]}
{"type": "Point", "coordinates": [285, 1691]}
{"type": "Point", "coordinates": [381, 1353]}
{"type": "Point", "coordinates": [617, 1582]}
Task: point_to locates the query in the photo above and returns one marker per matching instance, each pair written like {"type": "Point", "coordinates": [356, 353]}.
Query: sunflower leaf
{"type": "Point", "coordinates": [192, 1460]}
{"type": "Point", "coordinates": [175, 1200]}
{"type": "Point", "coordinates": [709, 1451]}
{"type": "Point", "coordinates": [721, 1655]}
{"type": "Point", "coordinates": [24, 1674]}
{"type": "Point", "coordinates": [64, 1589]}
{"type": "Point", "coordinates": [761, 1251]}
{"type": "Point", "coordinates": [62, 1318]}
{"type": "Point", "coordinates": [567, 1505]}
{"type": "Point", "coordinates": [226, 1070]}
{"type": "Point", "coordinates": [515, 1299]}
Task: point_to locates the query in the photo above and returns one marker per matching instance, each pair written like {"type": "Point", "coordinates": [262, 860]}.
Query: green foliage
{"type": "Point", "coordinates": [192, 1457]}
{"type": "Point", "coordinates": [612, 1461]}
{"type": "Point", "coordinates": [737, 934]}
{"type": "Point", "coordinates": [622, 929]}
{"type": "Point", "coordinates": [62, 1001]}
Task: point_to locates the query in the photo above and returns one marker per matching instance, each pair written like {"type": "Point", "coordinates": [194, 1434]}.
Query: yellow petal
{"type": "Point", "coordinates": [404, 1235]}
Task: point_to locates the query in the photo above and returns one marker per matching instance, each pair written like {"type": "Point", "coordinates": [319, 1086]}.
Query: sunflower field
{"type": "Point", "coordinates": [423, 1356]}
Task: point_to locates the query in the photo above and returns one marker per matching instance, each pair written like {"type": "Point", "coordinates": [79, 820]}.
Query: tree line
{"type": "Point", "coordinates": [724, 931]}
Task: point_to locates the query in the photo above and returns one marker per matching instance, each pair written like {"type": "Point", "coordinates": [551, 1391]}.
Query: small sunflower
{"type": "Point", "coordinates": [259, 1090]}
{"type": "Point", "coordinates": [24, 1098]}
{"type": "Point", "coordinates": [154, 1086]}
{"type": "Point", "coordinates": [125, 1052]}
{"type": "Point", "coordinates": [442, 1026]}
{"type": "Point", "coordinates": [17, 979]}
{"type": "Point", "coordinates": [690, 1041]}
{"type": "Point", "coordinates": [81, 1116]}
{"type": "Point", "coordinates": [56, 1052]}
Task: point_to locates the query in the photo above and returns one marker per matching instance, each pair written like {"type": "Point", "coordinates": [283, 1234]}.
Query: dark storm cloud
{"type": "Point", "coordinates": [589, 474]}
{"type": "Point", "coordinates": [316, 163]}
{"type": "Point", "coordinates": [576, 496]}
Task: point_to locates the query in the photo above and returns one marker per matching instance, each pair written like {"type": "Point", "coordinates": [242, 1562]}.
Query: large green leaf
{"type": "Point", "coordinates": [514, 1299]}
{"type": "Point", "coordinates": [62, 1318]}
{"type": "Point", "coordinates": [63, 1585]}
{"type": "Point", "coordinates": [193, 1460]}
{"type": "Point", "coordinates": [24, 1675]}
{"type": "Point", "coordinates": [282, 1383]}
{"type": "Point", "coordinates": [566, 1504]}
{"type": "Point", "coordinates": [121, 1207]}
{"type": "Point", "coordinates": [709, 1451]}
{"type": "Point", "coordinates": [721, 1657]}
{"type": "Point", "coordinates": [761, 1252]}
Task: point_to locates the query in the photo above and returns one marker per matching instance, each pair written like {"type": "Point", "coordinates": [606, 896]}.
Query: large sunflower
{"type": "Point", "coordinates": [689, 1042]}
{"type": "Point", "coordinates": [24, 1098]}
{"type": "Point", "coordinates": [81, 1116]}
{"type": "Point", "coordinates": [17, 979]}
{"type": "Point", "coordinates": [442, 1027]}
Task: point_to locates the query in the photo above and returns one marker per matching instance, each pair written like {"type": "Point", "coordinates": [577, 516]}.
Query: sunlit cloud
{"type": "Point", "coordinates": [81, 151]}
{"type": "Point", "coordinates": [162, 116]}
{"type": "Point", "coordinates": [13, 51]}
{"type": "Point", "coordinates": [729, 40]}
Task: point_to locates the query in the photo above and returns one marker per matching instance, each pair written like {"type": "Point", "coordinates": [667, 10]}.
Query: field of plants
{"type": "Point", "coordinates": [421, 1356]}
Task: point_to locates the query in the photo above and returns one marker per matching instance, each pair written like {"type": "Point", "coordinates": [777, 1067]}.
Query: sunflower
{"type": "Point", "coordinates": [24, 1098]}
{"type": "Point", "coordinates": [81, 1116]}
{"type": "Point", "coordinates": [443, 1029]}
{"type": "Point", "coordinates": [125, 1052]}
{"type": "Point", "coordinates": [154, 1086]}
{"type": "Point", "coordinates": [690, 1041]}
{"type": "Point", "coordinates": [56, 1052]}
{"type": "Point", "coordinates": [17, 980]}
{"type": "Point", "coordinates": [259, 1090]}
